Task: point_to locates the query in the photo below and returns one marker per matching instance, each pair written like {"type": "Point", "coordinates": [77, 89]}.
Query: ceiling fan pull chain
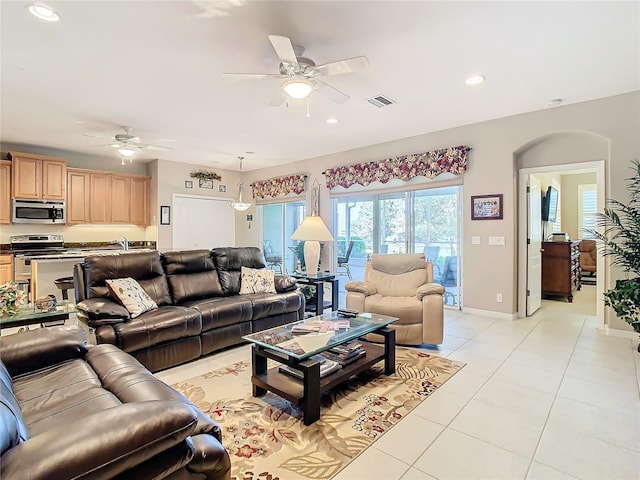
{"type": "Point", "coordinates": [308, 108]}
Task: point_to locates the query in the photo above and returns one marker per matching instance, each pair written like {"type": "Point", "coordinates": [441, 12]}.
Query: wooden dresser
{"type": "Point", "coordinates": [560, 269]}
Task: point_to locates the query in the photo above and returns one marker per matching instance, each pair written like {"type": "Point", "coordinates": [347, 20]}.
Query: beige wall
{"type": "Point", "coordinates": [601, 129]}
{"type": "Point", "coordinates": [169, 177]}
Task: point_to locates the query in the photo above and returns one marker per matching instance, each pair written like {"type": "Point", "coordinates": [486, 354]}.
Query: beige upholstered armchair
{"type": "Point", "coordinates": [401, 285]}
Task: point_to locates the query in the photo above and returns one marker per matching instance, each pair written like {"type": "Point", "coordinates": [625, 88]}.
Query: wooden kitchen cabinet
{"type": "Point", "coordinates": [120, 199]}
{"type": "Point", "coordinates": [99, 198]}
{"type": "Point", "coordinates": [560, 269]}
{"type": "Point", "coordinates": [78, 211]}
{"type": "Point", "coordinates": [5, 192]}
{"type": "Point", "coordinates": [105, 198]}
{"type": "Point", "coordinates": [36, 177]}
{"type": "Point", "coordinates": [140, 199]}
{"type": "Point", "coordinates": [6, 268]}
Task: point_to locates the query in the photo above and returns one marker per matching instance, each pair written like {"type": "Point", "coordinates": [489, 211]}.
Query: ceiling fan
{"type": "Point", "coordinates": [300, 74]}
{"type": "Point", "coordinates": [128, 145]}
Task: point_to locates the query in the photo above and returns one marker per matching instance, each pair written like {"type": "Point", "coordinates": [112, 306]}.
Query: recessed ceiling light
{"type": "Point", "coordinates": [43, 12]}
{"type": "Point", "coordinates": [554, 102]}
{"type": "Point", "coordinates": [332, 120]}
{"type": "Point", "coordinates": [474, 79]}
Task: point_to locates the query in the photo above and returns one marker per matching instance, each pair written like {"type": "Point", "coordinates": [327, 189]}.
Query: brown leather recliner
{"type": "Point", "coordinates": [69, 410]}
{"type": "Point", "coordinates": [588, 256]}
{"type": "Point", "coordinates": [401, 285]}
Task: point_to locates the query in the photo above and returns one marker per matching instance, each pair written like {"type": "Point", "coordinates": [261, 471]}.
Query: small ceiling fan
{"type": "Point", "coordinates": [128, 145]}
{"type": "Point", "coordinates": [300, 74]}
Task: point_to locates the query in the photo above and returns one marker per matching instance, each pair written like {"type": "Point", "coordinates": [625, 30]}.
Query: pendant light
{"type": "Point", "coordinates": [239, 203]}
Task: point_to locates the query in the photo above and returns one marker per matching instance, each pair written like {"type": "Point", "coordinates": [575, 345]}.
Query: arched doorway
{"type": "Point", "coordinates": [561, 153]}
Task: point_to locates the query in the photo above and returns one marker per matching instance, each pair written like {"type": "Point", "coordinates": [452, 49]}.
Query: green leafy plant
{"type": "Point", "coordinates": [620, 239]}
{"type": "Point", "coordinates": [11, 297]}
{"type": "Point", "coordinates": [205, 175]}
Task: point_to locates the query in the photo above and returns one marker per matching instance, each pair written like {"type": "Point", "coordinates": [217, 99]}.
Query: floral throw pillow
{"type": "Point", "coordinates": [254, 280]}
{"type": "Point", "coordinates": [130, 294]}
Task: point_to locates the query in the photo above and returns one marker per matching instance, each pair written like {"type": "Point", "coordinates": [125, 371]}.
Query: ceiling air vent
{"type": "Point", "coordinates": [380, 101]}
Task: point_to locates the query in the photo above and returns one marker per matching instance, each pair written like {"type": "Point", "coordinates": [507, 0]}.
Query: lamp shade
{"type": "Point", "coordinates": [313, 231]}
{"type": "Point", "coordinates": [312, 228]}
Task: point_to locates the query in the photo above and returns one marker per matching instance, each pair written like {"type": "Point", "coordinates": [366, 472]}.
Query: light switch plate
{"type": "Point", "coordinates": [496, 240]}
{"type": "Point", "coordinates": [475, 240]}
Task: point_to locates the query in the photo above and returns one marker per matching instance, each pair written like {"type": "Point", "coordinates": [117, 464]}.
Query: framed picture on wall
{"type": "Point", "coordinates": [165, 215]}
{"type": "Point", "coordinates": [205, 183]}
{"type": "Point", "coordinates": [486, 207]}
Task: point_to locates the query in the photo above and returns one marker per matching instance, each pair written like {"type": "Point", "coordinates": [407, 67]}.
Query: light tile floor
{"type": "Point", "coordinates": [547, 397]}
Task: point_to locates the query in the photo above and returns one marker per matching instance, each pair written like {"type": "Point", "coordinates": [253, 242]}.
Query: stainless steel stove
{"type": "Point", "coordinates": [27, 247]}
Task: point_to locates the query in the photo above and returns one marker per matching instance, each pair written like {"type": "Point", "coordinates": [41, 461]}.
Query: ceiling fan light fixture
{"type": "Point", "coordinates": [127, 152]}
{"type": "Point", "coordinates": [298, 87]}
{"type": "Point", "coordinates": [43, 12]}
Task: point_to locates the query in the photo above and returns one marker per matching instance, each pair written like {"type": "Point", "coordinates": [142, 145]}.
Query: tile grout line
{"type": "Point", "coordinates": [544, 426]}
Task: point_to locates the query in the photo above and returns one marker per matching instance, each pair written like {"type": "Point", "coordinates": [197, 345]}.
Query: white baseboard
{"type": "Point", "coordinates": [489, 313]}
{"type": "Point", "coordinates": [614, 332]}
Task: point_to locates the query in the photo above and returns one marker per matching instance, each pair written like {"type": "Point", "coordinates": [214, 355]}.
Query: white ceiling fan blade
{"type": "Point", "coordinates": [334, 94]}
{"type": "Point", "coordinates": [158, 148]}
{"type": "Point", "coordinates": [278, 99]}
{"type": "Point", "coordinates": [251, 76]}
{"type": "Point", "coordinates": [349, 65]}
{"type": "Point", "coordinates": [284, 49]}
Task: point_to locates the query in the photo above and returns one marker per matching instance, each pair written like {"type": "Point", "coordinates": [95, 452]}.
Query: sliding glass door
{"type": "Point", "coordinates": [420, 221]}
{"type": "Point", "coordinates": [279, 222]}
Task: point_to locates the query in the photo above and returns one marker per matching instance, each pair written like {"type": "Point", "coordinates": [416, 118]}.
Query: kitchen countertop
{"type": "Point", "coordinates": [73, 248]}
{"type": "Point", "coordinates": [74, 253]}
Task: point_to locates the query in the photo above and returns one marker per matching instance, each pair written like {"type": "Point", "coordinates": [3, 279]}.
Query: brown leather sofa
{"type": "Point", "coordinates": [69, 410]}
{"type": "Point", "coordinates": [197, 292]}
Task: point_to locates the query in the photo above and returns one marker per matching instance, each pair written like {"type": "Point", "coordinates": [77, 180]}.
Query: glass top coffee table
{"type": "Point", "coordinates": [297, 345]}
{"type": "Point", "coordinates": [30, 316]}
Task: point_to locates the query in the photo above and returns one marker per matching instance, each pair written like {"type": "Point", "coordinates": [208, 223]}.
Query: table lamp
{"type": "Point", "coordinates": [313, 231]}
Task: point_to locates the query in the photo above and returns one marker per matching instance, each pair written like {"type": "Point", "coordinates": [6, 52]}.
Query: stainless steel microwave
{"type": "Point", "coordinates": [37, 211]}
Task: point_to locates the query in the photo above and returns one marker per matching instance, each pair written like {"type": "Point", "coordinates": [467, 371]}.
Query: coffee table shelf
{"type": "Point", "coordinates": [292, 388]}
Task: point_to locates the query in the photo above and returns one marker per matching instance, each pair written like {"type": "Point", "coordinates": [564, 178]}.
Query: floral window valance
{"type": "Point", "coordinates": [427, 164]}
{"type": "Point", "coordinates": [279, 186]}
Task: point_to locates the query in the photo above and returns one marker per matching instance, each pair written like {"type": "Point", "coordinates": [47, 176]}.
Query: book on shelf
{"type": "Point", "coordinates": [343, 361]}
{"type": "Point", "coordinates": [327, 367]}
{"type": "Point", "coordinates": [347, 348]}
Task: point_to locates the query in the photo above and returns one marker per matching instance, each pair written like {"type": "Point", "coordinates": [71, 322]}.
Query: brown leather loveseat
{"type": "Point", "coordinates": [199, 309]}
{"type": "Point", "coordinates": [69, 410]}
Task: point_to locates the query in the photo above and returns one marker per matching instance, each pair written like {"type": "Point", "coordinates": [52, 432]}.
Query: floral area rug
{"type": "Point", "coordinates": [267, 440]}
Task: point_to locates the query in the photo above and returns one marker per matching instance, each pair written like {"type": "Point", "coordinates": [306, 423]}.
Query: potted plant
{"type": "Point", "coordinates": [620, 239]}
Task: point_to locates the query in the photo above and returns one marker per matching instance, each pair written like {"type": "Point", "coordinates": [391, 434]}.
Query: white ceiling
{"type": "Point", "coordinates": [157, 67]}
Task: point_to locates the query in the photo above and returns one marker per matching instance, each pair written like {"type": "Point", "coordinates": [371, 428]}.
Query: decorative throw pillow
{"type": "Point", "coordinates": [254, 280]}
{"type": "Point", "coordinates": [130, 294]}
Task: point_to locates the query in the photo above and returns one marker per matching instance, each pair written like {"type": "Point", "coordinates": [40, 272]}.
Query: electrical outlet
{"type": "Point", "coordinates": [499, 297]}
{"type": "Point", "coordinates": [475, 240]}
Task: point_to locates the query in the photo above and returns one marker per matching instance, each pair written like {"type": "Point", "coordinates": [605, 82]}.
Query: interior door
{"type": "Point", "coordinates": [534, 246]}
{"type": "Point", "coordinates": [202, 223]}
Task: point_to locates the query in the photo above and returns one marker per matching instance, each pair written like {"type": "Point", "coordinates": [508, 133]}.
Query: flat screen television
{"type": "Point", "coordinates": [550, 205]}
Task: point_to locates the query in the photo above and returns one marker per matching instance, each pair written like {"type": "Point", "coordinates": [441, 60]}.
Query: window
{"type": "Point", "coordinates": [279, 221]}
{"type": "Point", "coordinates": [587, 209]}
{"type": "Point", "coordinates": [420, 221]}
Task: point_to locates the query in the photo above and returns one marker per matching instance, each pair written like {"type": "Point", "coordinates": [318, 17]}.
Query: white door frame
{"type": "Point", "coordinates": [599, 167]}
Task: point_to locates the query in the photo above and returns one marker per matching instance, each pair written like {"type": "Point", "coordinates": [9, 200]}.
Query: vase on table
{"type": "Point", "coordinates": [11, 298]}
